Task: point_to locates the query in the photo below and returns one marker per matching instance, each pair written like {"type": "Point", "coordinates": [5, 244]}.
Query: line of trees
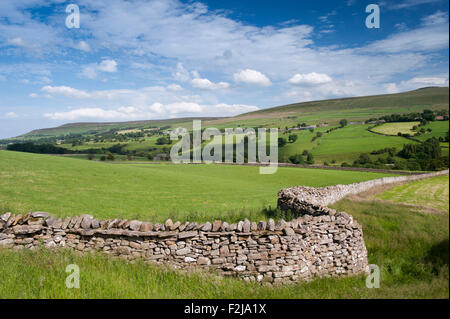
{"type": "Point", "coordinates": [37, 148]}
{"type": "Point", "coordinates": [425, 156]}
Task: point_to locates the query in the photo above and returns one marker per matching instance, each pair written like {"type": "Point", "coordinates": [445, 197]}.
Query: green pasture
{"type": "Point", "coordinates": [395, 128]}
{"type": "Point", "coordinates": [346, 144]}
{"type": "Point", "coordinates": [431, 192]}
{"type": "Point", "coordinates": [438, 128]}
{"type": "Point", "coordinates": [153, 192]}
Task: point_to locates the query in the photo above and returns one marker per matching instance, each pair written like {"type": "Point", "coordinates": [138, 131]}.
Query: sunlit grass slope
{"type": "Point", "coordinates": [431, 192]}
{"type": "Point", "coordinates": [66, 186]}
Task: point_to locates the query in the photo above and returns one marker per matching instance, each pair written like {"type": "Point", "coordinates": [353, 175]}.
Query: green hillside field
{"type": "Point", "coordinates": [432, 192]}
{"type": "Point", "coordinates": [153, 192]}
{"type": "Point", "coordinates": [314, 112]}
{"type": "Point", "coordinates": [395, 128]}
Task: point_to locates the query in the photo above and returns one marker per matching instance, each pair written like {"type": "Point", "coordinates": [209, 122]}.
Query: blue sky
{"type": "Point", "coordinates": [136, 60]}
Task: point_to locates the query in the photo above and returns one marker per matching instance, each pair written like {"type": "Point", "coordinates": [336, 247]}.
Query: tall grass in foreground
{"type": "Point", "coordinates": [411, 249]}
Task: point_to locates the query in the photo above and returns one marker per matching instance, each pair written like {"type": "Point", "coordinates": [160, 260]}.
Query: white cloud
{"type": "Point", "coordinates": [253, 77]}
{"type": "Point", "coordinates": [17, 42]}
{"type": "Point", "coordinates": [83, 46]}
{"type": "Point", "coordinates": [108, 66]}
{"type": "Point", "coordinates": [181, 74]}
{"type": "Point", "coordinates": [409, 4]}
{"type": "Point", "coordinates": [431, 35]}
{"type": "Point", "coordinates": [438, 17]}
{"type": "Point", "coordinates": [416, 83]}
{"type": "Point", "coordinates": [11, 115]}
{"type": "Point", "coordinates": [391, 88]}
{"type": "Point", "coordinates": [341, 88]}
{"type": "Point", "coordinates": [429, 81]}
{"type": "Point", "coordinates": [205, 84]}
{"type": "Point", "coordinates": [91, 71]}
{"type": "Point", "coordinates": [146, 102]}
{"type": "Point", "coordinates": [326, 17]}
{"type": "Point", "coordinates": [174, 87]}
{"type": "Point", "coordinates": [307, 79]}
{"type": "Point", "coordinates": [66, 91]}
{"type": "Point", "coordinates": [156, 110]}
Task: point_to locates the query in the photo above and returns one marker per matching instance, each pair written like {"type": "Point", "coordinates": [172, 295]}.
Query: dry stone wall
{"type": "Point", "coordinates": [274, 252]}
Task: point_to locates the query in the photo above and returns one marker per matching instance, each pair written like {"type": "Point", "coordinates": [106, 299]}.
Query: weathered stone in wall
{"type": "Point", "coordinates": [40, 214]}
{"type": "Point", "coordinates": [187, 234]}
{"type": "Point", "coordinates": [86, 221]}
{"type": "Point", "coordinates": [135, 225]}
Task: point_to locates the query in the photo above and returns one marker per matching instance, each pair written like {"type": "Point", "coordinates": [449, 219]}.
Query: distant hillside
{"type": "Point", "coordinates": [330, 111]}
{"type": "Point", "coordinates": [101, 127]}
{"type": "Point", "coordinates": [431, 97]}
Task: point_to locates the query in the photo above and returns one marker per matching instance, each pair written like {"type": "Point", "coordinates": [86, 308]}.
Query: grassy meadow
{"type": "Point", "coordinates": [394, 128]}
{"type": "Point", "coordinates": [66, 186]}
{"type": "Point", "coordinates": [431, 192]}
{"type": "Point", "coordinates": [346, 144]}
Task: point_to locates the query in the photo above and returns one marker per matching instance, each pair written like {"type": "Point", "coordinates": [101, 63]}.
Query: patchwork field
{"type": "Point", "coordinates": [344, 145]}
{"type": "Point", "coordinates": [394, 128]}
{"type": "Point", "coordinates": [153, 192]}
{"type": "Point", "coordinates": [431, 192]}
{"type": "Point", "coordinates": [438, 128]}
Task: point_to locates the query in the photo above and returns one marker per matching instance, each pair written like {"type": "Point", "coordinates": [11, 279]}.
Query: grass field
{"type": "Point", "coordinates": [438, 128]}
{"type": "Point", "coordinates": [153, 192]}
{"type": "Point", "coordinates": [431, 192]}
{"type": "Point", "coordinates": [342, 145]}
{"type": "Point", "coordinates": [346, 144]}
{"type": "Point", "coordinates": [410, 248]}
{"type": "Point", "coordinates": [394, 128]}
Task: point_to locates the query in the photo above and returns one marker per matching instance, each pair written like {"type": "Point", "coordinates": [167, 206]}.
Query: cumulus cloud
{"type": "Point", "coordinates": [108, 66]}
{"type": "Point", "coordinates": [156, 110]}
{"type": "Point", "coordinates": [91, 71]}
{"type": "Point", "coordinates": [307, 79]}
{"type": "Point", "coordinates": [83, 46]}
{"type": "Point", "coordinates": [205, 84]}
{"type": "Point", "coordinates": [252, 77]}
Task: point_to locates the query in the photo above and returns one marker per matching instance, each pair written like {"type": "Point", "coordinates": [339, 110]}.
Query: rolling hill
{"type": "Point", "coordinates": [331, 111]}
